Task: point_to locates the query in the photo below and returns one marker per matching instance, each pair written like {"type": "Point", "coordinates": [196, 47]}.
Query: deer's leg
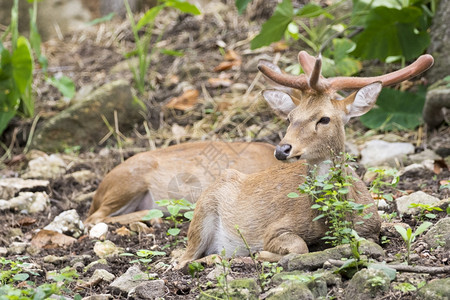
{"type": "Point", "coordinates": [279, 244]}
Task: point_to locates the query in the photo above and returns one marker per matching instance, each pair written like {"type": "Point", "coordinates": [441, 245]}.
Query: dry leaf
{"type": "Point", "coordinates": [48, 239]}
{"type": "Point", "coordinates": [219, 82]}
{"type": "Point", "coordinates": [185, 101]}
{"type": "Point", "coordinates": [232, 55]}
{"type": "Point", "coordinates": [223, 66]}
{"type": "Point", "coordinates": [123, 231]}
{"type": "Point", "coordinates": [279, 46]}
{"type": "Point", "coordinates": [26, 221]}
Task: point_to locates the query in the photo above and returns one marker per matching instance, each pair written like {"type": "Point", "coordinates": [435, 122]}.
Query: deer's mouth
{"type": "Point", "coordinates": [294, 158]}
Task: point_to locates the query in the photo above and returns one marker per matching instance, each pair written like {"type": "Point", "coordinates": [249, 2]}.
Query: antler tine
{"type": "Point", "coordinates": [297, 82]}
{"type": "Point", "coordinates": [422, 64]}
{"type": "Point", "coordinates": [306, 62]}
{"type": "Point", "coordinates": [314, 79]}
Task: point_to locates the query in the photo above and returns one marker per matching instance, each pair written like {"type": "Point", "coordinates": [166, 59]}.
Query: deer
{"type": "Point", "coordinates": [269, 221]}
{"type": "Point", "coordinates": [175, 172]}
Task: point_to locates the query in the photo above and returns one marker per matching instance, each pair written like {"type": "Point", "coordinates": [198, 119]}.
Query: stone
{"type": "Point", "coordinates": [315, 260]}
{"type": "Point", "coordinates": [216, 272]}
{"type": "Point", "coordinates": [438, 289]}
{"type": "Point", "coordinates": [67, 222]}
{"type": "Point", "coordinates": [3, 251]}
{"type": "Point", "coordinates": [82, 124]}
{"type": "Point", "coordinates": [379, 153]}
{"type": "Point", "coordinates": [404, 202]}
{"type": "Point", "coordinates": [82, 176]}
{"type": "Point", "coordinates": [99, 297]}
{"type": "Point", "coordinates": [27, 202]}
{"type": "Point", "coordinates": [99, 231]}
{"type": "Point", "coordinates": [243, 288]}
{"type": "Point", "coordinates": [45, 167]}
{"type": "Point", "coordinates": [438, 234]}
{"type": "Point", "coordinates": [103, 275]}
{"type": "Point", "coordinates": [316, 283]}
{"type": "Point", "coordinates": [290, 290]}
{"type": "Point", "coordinates": [367, 284]}
{"type": "Point", "coordinates": [9, 187]}
{"type": "Point", "coordinates": [132, 278]}
{"type": "Point", "coordinates": [151, 289]}
{"type": "Point", "coordinates": [18, 248]}
{"type": "Point", "coordinates": [53, 259]}
{"type": "Point", "coordinates": [106, 248]}
{"type": "Point", "coordinates": [427, 154]}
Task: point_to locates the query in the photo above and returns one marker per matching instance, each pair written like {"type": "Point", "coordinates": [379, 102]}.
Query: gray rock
{"type": "Point", "coordinates": [67, 222]}
{"type": "Point", "coordinates": [243, 288]}
{"type": "Point", "coordinates": [99, 297]}
{"type": "Point", "coordinates": [367, 284]}
{"type": "Point", "coordinates": [404, 202]}
{"type": "Point", "coordinates": [132, 278]}
{"type": "Point", "coordinates": [82, 124]}
{"type": "Point", "coordinates": [438, 289]}
{"type": "Point", "coordinates": [9, 187]}
{"type": "Point", "coordinates": [46, 167]}
{"type": "Point", "coordinates": [27, 201]}
{"type": "Point", "coordinates": [424, 155]}
{"type": "Point", "coordinates": [55, 259]}
{"type": "Point", "coordinates": [290, 290]}
{"type": "Point", "coordinates": [103, 275]}
{"type": "Point", "coordinates": [82, 177]}
{"type": "Point", "coordinates": [17, 248]}
{"type": "Point", "coordinates": [437, 99]}
{"type": "Point", "coordinates": [99, 231]}
{"type": "Point", "coordinates": [106, 248]}
{"type": "Point", "coordinates": [379, 153]}
{"type": "Point", "coordinates": [3, 251]}
{"type": "Point", "coordinates": [151, 289]}
{"type": "Point", "coordinates": [316, 283]}
{"type": "Point", "coordinates": [438, 234]}
{"type": "Point", "coordinates": [314, 260]}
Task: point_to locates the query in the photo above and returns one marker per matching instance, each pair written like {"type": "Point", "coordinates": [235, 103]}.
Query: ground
{"type": "Point", "coordinates": [88, 57]}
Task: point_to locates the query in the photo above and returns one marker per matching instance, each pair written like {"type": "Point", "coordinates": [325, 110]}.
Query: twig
{"type": "Point", "coordinates": [404, 268]}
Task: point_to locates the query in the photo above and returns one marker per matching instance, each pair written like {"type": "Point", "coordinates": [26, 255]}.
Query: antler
{"type": "Point", "coordinates": [313, 80]}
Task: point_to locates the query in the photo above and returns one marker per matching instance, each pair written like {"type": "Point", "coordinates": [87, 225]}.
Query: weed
{"type": "Point", "coordinates": [385, 178]}
{"type": "Point", "coordinates": [409, 237]}
{"type": "Point", "coordinates": [425, 211]}
{"type": "Point", "coordinates": [144, 256]}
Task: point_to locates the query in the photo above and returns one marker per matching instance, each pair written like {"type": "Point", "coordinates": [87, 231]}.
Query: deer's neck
{"type": "Point", "coordinates": [323, 168]}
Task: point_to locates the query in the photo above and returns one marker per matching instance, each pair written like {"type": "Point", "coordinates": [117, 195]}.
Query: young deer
{"type": "Point", "coordinates": [180, 171]}
{"type": "Point", "coordinates": [257, 203]}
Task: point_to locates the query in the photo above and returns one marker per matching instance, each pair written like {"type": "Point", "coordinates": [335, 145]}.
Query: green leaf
{"type": "Point", "coordinates": [153, 214]}
{"type": "Point", "coordinates": [273, 30]}
{"type": "Point", "coordinates": [173, 209]}
{"type": "Point", "coordinates": [103, 19]}
{"type": "Point", "coordinates": [318, 217]}
{"type": "Point", "coordinates": [241, 5]}
{"type": "Point", "coordinates": [171, 52]}
{"type": "Point", "coordinates": [149, 16]}
{"type": "Point", "coordinates": [22, 62]}
{"type": "Point", "coordinates": [21, 277]}
{"type": "Point", "coordinates": [315, 206]}
{"type": "Point", "coordinates": [430, 216]}
{"type": "Point", "coordinates": [311, 10]}
{"type": "Point", "coordinates": [391, 32]}
{"type": "Point", "coordinates": [424, 226]}
{"type": "Point", "coordinates": [402, 232]}
{"type": "Point", "coordinates": [173, 231]}
{"type": "Point", "coordinates": [184, 6]}
{"type": "Point", "coordinates": [5, 117]}
{"type": "Point", "coordinates": [163, 202]}
{"type": "Point", "coordinates": [293, 195]}
{"type": "Point", "coordinates": [396, 109]}
{"type": "Point", "coordinates": [189, 215]}
{"type": "Point", "coordinates": [64, 84]}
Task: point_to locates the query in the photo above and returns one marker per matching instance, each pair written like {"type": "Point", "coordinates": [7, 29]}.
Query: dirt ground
{"type": "Point", "coordinates": [88, 58]}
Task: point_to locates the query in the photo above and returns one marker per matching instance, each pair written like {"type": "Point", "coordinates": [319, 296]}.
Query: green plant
{"type": "Point", "coordinates": [144, 256]}
{"type": "Point", "coordinates": [409, 237]}
{"type": "Point", "coordinates": [425, 211]}
{"type": "Point", "coordinates": [389, 217]}
{"type": "Point", "coordinates": [178, 209]}
{"type": "Point", "coordinates": [143, 43]}
{"type": "Point", "coordinates": [385, 178]}
{"type": "Point", "coordinates": [405, 287]}
{"type": "Point", "coordinates": [329, 192]}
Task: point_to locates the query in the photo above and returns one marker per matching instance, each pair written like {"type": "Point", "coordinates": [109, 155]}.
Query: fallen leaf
{"type": "Point", "coordinates": [219, 82]}
{"type": "Point", "coordinates": [279, 46]}
{"type": "Point", "coordinates": [185, 101]}
{"type": "Point", "coordinates": [48, 239]}
{"type": "Point", "coordinates": [223, 66]}
{"type": "Point", "coordinates": [123, 231]}
{"type": "Point", "coordinates": [26, 221]}
{"type": "Point", "coordinates": [232, 55]}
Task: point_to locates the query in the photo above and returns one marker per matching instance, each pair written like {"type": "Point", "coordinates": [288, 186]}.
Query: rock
{"type": "Point", "coordinates": [28, 202]}
{"type": "Point", "coordinates": [438, 234]}
{"type": "Point", "coordinates": [404, 202]}
{"type": "Point", "coordinates": [438, 289]}
{"type": "Point", "coordinates": [367, 284]}
{"type": "Point", "coordinates": [382, 204]}
{"type": "Point", "coordinates": [106, 248]}
{"type": "Point", "coordinates": [132, 278]}
{"type": "Point", "coordinates": [290, 290]}
{"type": "Point", "coordinates": [99, 231]}
{"type": "Point", "coordinates": [67, 222]}
{"type": "Point", "coordinates": [3, 251]}
{"type": "Point", "coordinates": [18, 248]}
{"type": "Point", "coordinates": [45, 167]}
{"type": "Point", "coordinates": [388, 229]}
{"type": "Point", "coordinates": [55, 259]}
{"type": "Point", "coordinates": [427, 154]}
{"type": "Point", "coordinates": [82, 177]}
{"type": "Point", "coordinates": [243, 288]}
{"type": "Point", "coordinates": [82, 124]}
{"type": "Point", "coordinates": [352, 149]}
{"type": "Point", "coordinates": [315, 260]}
{"type": "Point", "coordinates": [379, 153]}
{"type": "Point", "coordinates": [151, 289]}
{"type": "Point", "coordinates": [9, 187]}
{"type": "Point", "coordinates": [103, 275]}
{"type": "Point", "coordinates": [99, 297]}
{"type": "Point", "coordinates": [216, 272]}
{"type": "Point", "coordinates": [316, 283]}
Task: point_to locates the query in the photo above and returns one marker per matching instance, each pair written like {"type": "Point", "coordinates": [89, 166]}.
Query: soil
{"type": "Point", "coordinates": [88, 57]}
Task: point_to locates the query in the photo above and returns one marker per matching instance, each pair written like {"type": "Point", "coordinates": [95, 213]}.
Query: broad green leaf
{"type": "Point", "coordinates": [361, 8]}
{"type": "Point", "coordinates": [5, 117]}
{"type": "Point", "coordinates": [402, 232]}
{"type": "Point", "coordinates": [396, 109]}
{"type": "Point", "coordinates": [311, 10]}
{"type": "Point", "coordinates": [22, 64]}
{"type": "Point", "coordinates": [391, 32]}
{"type": "Point", "coordinates": [153, 214]}
{"type": "Point", "coordinates": [21, 277]}
{"type": "Point", "coordinates": [173, 209]}
{"type": "Point", "coordinates": [106, 18]}
{"type": "Point", "coordinates": [241, 5]}
{"type": "Point", "coordinates": [424, 226]}
{"type": "Point", "coordinates": [163, 202]}
{"type": "Point", "coordinates": [189, 215]}
{"type": "Point", "coordinates": [273, 30]}
{"type": "Point", "coordinates": [293, 195]}
{"type": "Point", "coordinates": [173, 231]}
{"type": "Point", "coordinates": [64, 84]}
{"type": "Point", "coordinates": [149, 16]}
{"type": "Point", "coordinates": [183, 6]}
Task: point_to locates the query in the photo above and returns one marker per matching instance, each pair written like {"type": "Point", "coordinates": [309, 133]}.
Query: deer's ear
{"type": "Point", "coordinates": [281, 103]}
{"type": "Point", "coordinates": [363, 100]}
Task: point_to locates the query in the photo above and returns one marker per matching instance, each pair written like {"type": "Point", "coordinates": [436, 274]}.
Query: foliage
{"type": "Point", "coordinates": [14, 283]}
{"type": "Point", "coordinates": [144, 256]}
{"type": "Point", "coordinates": [409, 237]}
{"type": "Point", "coordinates": [143, 43]}
{"type": "Point", "coordinates": [178, 209]}
{"type": "Point", "coordinates": [403, 113]}
{"type": "Point", "coordinates": [329, 192]}
{"type": "Point", "coordinates": [381, 181]}
{"type": "Point", "coordinates": [425, 211]}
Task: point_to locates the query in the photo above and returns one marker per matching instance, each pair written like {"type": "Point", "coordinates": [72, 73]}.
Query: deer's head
{"type": "Point", "coordinates": [316, 113]}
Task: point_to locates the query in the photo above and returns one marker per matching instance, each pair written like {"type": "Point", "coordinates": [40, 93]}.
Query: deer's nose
{"type": "Point", "coordinates": [282, 151]}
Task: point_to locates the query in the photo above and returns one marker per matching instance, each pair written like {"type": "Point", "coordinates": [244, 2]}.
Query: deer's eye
{"type": "Point", "coordinates": [324, 120]}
